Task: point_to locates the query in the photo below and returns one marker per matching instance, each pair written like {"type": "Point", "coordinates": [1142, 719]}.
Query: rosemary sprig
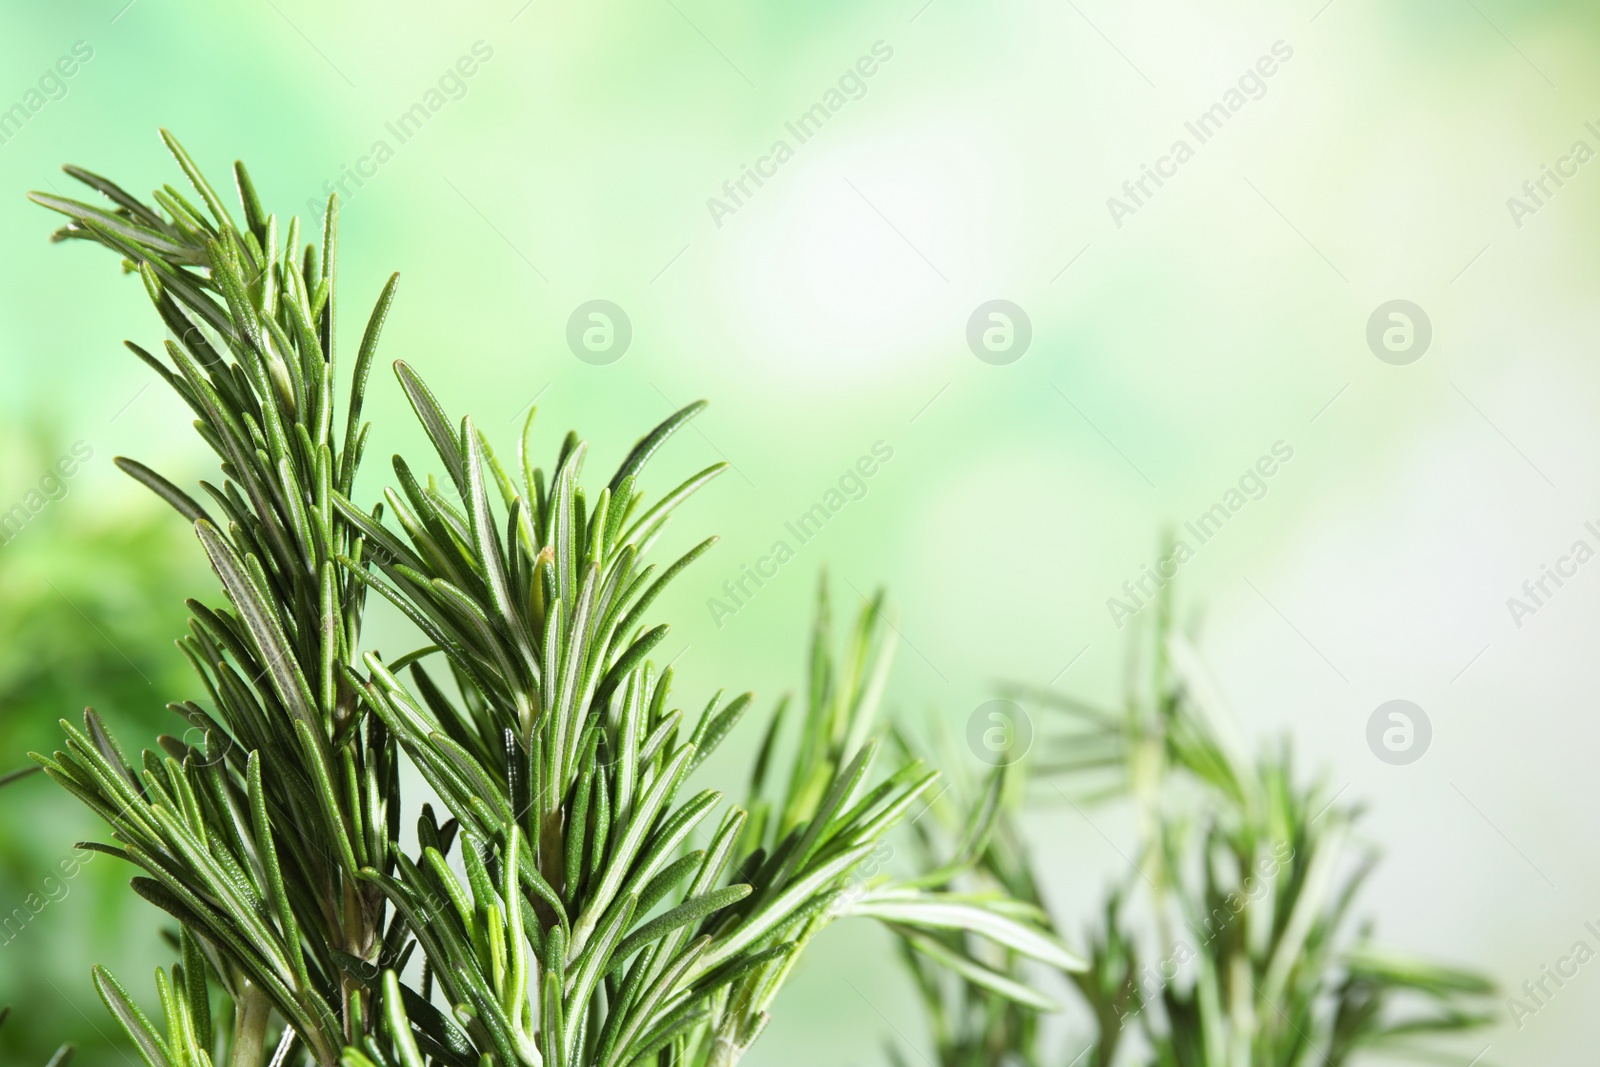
{"type": "Point", "coordinates": [257, 841]}
{"type": "Point", "coordinates": [1231, 941]}
{"type": "Point", "coordinates": [573, 909]}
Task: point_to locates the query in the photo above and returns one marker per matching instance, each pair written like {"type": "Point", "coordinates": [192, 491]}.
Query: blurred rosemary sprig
{"type": "Point", "coordinates": [1231, 943]}
{"type": "Point", "coordinates": [987, 1011]}
{"type": "Point", "coordinates": [1248, 879]}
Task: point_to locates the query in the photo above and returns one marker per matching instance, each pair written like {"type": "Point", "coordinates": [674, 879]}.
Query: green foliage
{"type": "Point", "coordinates": [1230, 941]}
{"type": "Point", "coordinates": [85, 609]}
{"type": "Point", "coordinates": [255, 839]}
{"type": "Point", "coordinates": [573, 909]}
{"type": "Point", "coordinates": [86, 617]}
{"type": "Point", "coordinates": [1248, 879]}
{"type": "Point", "coordinates": [970, 838]}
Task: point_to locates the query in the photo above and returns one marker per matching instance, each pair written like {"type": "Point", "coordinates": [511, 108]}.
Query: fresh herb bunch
{"type": "Point", "coordinates": [1248, 880]}
{"type": "Point", "coordinates": [1231, 942]}
{"type": "Point", "coordinates": [258, 841]}
{"type": "Point", "coordinates": [571, 909]}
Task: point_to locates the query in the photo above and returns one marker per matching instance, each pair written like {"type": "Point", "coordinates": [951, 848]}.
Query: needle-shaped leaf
{"type": "Point", "coordinates": [976, 973]}
{"type": "Point", "coordinates": [652, 442]}
{"type": "Point", "coordinates": [690, 911]}
{"type": "Point", "coordinates": [948, 912]}
{"type": "Point", "coordinates": [783, 905]}
{"type": "Point", "coordinates": [144, 1035]}
{"type": "Point", "coordinates": [265, 630]}
{"type": "Point", "coordinates": [434, 422]}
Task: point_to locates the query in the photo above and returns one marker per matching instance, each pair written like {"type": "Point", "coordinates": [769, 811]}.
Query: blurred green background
{"type": "Point", "coordinates": [826, 313]}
